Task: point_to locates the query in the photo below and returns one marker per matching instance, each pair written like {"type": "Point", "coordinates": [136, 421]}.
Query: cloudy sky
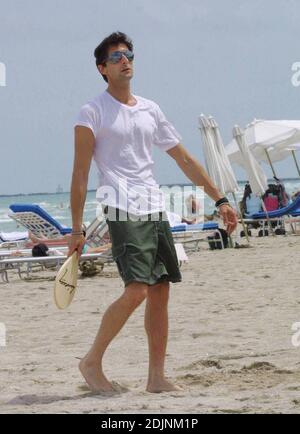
{"type": "Point", "coordinates": [232, 59]}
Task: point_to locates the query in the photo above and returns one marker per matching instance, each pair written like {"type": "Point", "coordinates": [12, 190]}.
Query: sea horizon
{"type": "Point", "coordinates": [240, 181]}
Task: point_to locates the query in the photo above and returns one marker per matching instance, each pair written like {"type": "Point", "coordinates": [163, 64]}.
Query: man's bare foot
{"type": "Point", "coordinates": [162, 386]}
{"type": "Point", "coordinates": [95, 378]}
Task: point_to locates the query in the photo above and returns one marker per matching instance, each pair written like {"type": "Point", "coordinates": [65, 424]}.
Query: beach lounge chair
{"type": "Point", "coordinates": [191, 235]}
{"type": "Point", "coordinates": [25, 265]}
{"type": "Point", "coordinates": [37, 220]}
{"type": "Point", "coordinates": [277, 217]}
{"type": "Point", "coordinates": [12, 239]}
{"type": "Point", "coordinates": [96, 233]}
{"type": "Point", "coordinates": [292, 208]}
{"type": "Point", "coordinates": [42, 224]}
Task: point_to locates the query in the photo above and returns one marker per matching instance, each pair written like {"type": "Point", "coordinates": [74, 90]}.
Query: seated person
{"type": "Point", "coordinates": [271, 202]}
{"type": "Point", "coordinates": [175, 219]}
{"type": "Point", "coordinates": [40, 247]}
{"type": "Point", "coordinates": [251, 203]}
{"type": "Point", "coordinates": [275, 196]}
{"type": "Point", "coordinates": [283, 196]}
{"type": "Point", "coordinates": [194, 213]}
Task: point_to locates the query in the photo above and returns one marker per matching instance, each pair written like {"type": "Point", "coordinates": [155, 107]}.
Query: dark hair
{"type": "Point", "coordinates": [101, 52]}
{"type": "Point", "coordinates": [40, 250]}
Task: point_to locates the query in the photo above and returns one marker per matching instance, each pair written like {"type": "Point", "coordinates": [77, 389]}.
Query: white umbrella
{"type": "Point", "coordinates": [229, 175]}
{"type": "Point", "coordinates": [270, 141]}
{"type": "Point", "coordinates": [257, 178]}
{"type": "Point", "coordinates": [217, 162]}
{"type": "Point", "coordinates": [234, 154]}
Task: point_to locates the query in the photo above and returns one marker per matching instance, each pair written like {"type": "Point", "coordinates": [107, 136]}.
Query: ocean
{"type": "Point", "coordinates": [58, 205]}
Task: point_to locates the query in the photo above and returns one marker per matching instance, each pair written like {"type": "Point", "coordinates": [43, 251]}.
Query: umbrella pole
{"type": "Point", "coordinates": [296, 162]}
{"type": "Point", "coordinates": [241, 217]}
{"type": "Point", "coordinates": [270, 162]}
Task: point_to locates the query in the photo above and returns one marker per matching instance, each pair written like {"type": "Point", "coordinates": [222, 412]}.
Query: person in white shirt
{"type": "Point", "coordinates": [119, 129]}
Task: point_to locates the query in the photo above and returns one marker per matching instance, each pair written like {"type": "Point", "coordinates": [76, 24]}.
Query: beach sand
{"type": "Point", "coordinates": [230, 341]}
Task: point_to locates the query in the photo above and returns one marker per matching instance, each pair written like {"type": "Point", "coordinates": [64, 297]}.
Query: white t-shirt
{"type": "Point", "coordinates": [125, 136]}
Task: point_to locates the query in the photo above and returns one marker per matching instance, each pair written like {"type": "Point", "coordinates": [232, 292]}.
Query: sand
{"type": "Point", "coordinates": [230, 342]}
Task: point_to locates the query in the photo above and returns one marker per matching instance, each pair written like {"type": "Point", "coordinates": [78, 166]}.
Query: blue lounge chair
{"type": "Point", "coordinates": [191, 235]}
{"type": "Point", "coordinates": [37, 220]}
{"type": "Point", "coordinates": [40, 223]}
{"type": "Point", "coordinates": [207, 226]}
{"type": "Point", "coordinates": [290, 209]}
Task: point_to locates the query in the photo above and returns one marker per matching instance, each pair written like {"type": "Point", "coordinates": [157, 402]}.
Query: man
{"type": "Point", "coordinates": [119, 129]}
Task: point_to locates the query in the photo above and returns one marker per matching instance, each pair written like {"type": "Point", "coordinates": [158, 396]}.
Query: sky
{"type": "Point", "coordinates": [231, 59]}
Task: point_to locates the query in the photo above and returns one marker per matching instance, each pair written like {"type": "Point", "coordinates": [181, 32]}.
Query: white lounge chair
{"type": "Point", "coordinates": [24, 265]}
{"type": "Point", "coordinates": [37, 220]}
{"type": "Point", "coordinates": [12, 239]}
{"type": "Point", "coordinates": [41, 224]}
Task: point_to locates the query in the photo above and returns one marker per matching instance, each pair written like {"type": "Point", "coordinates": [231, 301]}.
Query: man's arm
{"type": "Point", "coordinates": [194, 171]}
{"type": "Point", "coordinates": [197, 174]}
{"type": "Point", "coordinates": [84, 149]}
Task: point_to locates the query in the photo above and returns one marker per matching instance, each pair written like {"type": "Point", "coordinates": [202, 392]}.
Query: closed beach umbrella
{"type": "Point", "coordinates": [228, 172]}
{"type": "Point", "coordinates": [217, 162]}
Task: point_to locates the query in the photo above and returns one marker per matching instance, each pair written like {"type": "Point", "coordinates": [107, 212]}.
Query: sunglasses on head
{"type": "Point", "coordinates": [116, 56]}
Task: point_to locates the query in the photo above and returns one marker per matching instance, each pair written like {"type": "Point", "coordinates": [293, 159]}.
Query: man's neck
{"type": "Point", "coordinates": [122, 94]}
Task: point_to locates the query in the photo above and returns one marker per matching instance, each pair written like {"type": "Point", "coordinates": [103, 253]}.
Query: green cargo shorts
{"type": "Point", "coordinates": [143, 250]}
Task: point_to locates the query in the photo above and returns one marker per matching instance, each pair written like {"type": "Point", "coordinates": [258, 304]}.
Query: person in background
{"type": "Point", "coordinates": [194, 214]}
{"type": "Point", "coordinates": [283, 196]}
{"type": "Point", "coordinates": [251, 203]}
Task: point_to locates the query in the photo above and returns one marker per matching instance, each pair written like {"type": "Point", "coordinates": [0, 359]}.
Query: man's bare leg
{"type": "Point", "coordinates": [156, 325]}
{"type": "Point", "coordinates": [113, 320]}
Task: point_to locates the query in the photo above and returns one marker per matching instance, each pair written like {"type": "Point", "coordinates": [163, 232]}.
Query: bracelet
{"type": "Point", "coordinates": [222, 201]}
{"type": "Point", "coordinates": [77, 233]}
{"type": "Point", "coordinates": [225, 203]}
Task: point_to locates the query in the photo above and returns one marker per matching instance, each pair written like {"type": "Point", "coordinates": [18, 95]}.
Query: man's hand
{"type": "Point", "coordinates": [229, 217]}
{"type": "Point", "coordinates": [76, 243]}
